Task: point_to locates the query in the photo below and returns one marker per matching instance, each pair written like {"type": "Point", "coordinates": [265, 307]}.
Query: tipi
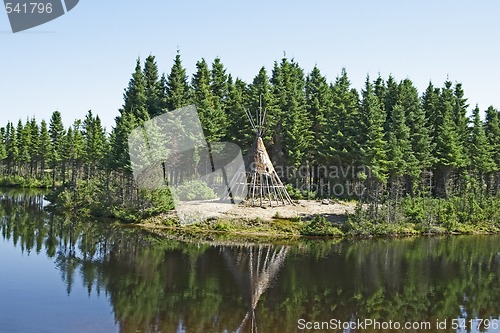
{"type": "Point", "coordinates": [260, 177]}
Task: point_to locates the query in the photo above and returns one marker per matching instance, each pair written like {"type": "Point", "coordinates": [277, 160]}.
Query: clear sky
{"type": "Point", "coordinates": [84, 59]}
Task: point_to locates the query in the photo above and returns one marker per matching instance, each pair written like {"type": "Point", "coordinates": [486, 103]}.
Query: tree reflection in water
{"type": "Point", "coordinates": [161, 285]}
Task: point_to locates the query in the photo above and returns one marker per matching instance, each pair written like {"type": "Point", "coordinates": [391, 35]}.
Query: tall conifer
{"type": "Point", "coordinates": [178, 92]}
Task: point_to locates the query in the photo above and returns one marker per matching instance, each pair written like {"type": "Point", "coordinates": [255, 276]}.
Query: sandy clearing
{"type": "Point", "coordinates": [202, 210]}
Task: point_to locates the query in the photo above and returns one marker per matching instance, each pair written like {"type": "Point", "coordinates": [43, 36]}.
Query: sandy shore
{"type": "Point", "coordinates": [196, 210]}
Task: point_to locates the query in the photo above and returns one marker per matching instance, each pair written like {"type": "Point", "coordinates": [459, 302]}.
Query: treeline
{"type": "Point", "coordinates": [388, 140]}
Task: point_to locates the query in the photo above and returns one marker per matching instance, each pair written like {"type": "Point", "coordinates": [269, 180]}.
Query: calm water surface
{"type": "Point", "coordinates": [60, 275]}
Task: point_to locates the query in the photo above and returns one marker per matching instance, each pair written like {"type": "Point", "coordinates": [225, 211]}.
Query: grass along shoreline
{"type": "Point", "coordinates": [311, 218]}
{"type": "Point", "coordinates": [315, 226]}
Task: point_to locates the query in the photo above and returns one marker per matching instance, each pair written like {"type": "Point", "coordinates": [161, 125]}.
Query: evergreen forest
{"type": "Point", "coordinates": [427, 158]}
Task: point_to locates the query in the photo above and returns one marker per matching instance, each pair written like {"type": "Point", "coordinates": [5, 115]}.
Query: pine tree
{"type": "Point", "coordinates": [153, 87]}
{"type": "Point", "coordinates": [178, 93]}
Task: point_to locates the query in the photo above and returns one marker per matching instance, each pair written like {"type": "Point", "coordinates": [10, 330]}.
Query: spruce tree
{"type": "Point", "coordinates": [276, 115]}
{"type": "Point", "coordinates": [371, 126]}
{"type": "Point", "coordinates": [401, 160]}
{"type": "Point", "coordinates": [153, 87]}
{"type": "Point", "coordinates": [44, 148]}
{"type": "Point", "coordinates": [260, 91]}
{"type": "Point", "coordinates": [239, 130]}
{"type": "Point", "coordinates": [460, 114]}
{"type": "Point", "coordinates": [449, 148]}
{"type": "Point", "coordinates": [178, 92]}
{"type": "Point", "coordinates": [391, 97]}
{"type": "Point", "coordinates": [3, 149]}
{"type": "Point", "coordinates": [218, 82]}
{"type": "Point", "coordinates": [493, 134]}
{"type": "Point", "coordinates": [163, 93]}
{"type": "Point", "coordinates": [293, 123]}
{"type": "Point", "coordinates": [35, 145]}
{"type": "Point", "coordinates": [56, 133]}
{"type": "Point", "coordinates": [95, 139]}
{"type": "Point", "coordinates": [133, 113]}
{"type": "Point", "coordinates": [119, 156]}
{"type": "Point", "coordinates": [430, 106]}
{"type": "Point", "coordinates": [342, 121]}
{"type": "Point", "coordinates": [212, 117]}
{"type": "Point", "coordinates": [77, 153]}
{"type": "Point", "coordinates": [420, 139]}
{"type": "Point", "coordinates": [219, 90]}
{"type": "Point", "coordinates": [380, 90]}
{"type": "Point", "coordinates": [319, 101]}
{"type": "Point", "coordinates": [134, 98]}
{"type": "Point", "coordinates": [480, 152]}
{"type": "Point", "coordinates": [12, 147]}
{"type": "Point", "coordinates": [24, 141]}
{"type": "Point", "coordinates": [67, 148]}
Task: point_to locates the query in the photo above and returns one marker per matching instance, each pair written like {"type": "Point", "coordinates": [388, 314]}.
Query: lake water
{"type": "Point", "coordinates": [60, 275]}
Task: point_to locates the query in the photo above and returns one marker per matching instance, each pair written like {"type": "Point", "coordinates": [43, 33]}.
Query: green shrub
{"type": "Point", "coordinates": [319, 226]}
{"type": "Point", "coordinates": [157, 201]}
{"type": "Point", "coordinates": [222, 226]}
{"type": "Point", "coordinates": [297, 194]}
{"type": "Point", "coordinates": [194, 190]}
{"type": "Point", "coordinates": [27, 182]}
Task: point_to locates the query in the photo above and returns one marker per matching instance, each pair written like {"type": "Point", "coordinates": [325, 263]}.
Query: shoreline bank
{"type": "Point", "coordinates": [308, 219]}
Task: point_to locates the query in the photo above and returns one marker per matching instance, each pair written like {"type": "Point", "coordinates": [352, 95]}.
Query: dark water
{"type": "Point", "coordinates": [60, 275]}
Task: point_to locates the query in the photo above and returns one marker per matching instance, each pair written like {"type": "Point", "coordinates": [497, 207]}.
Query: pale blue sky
{"type": "Point", "coordinates": [84, 59]}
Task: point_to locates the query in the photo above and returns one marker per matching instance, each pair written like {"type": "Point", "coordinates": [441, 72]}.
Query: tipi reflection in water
{"type": "Point", "coordinates": [254, 268]}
